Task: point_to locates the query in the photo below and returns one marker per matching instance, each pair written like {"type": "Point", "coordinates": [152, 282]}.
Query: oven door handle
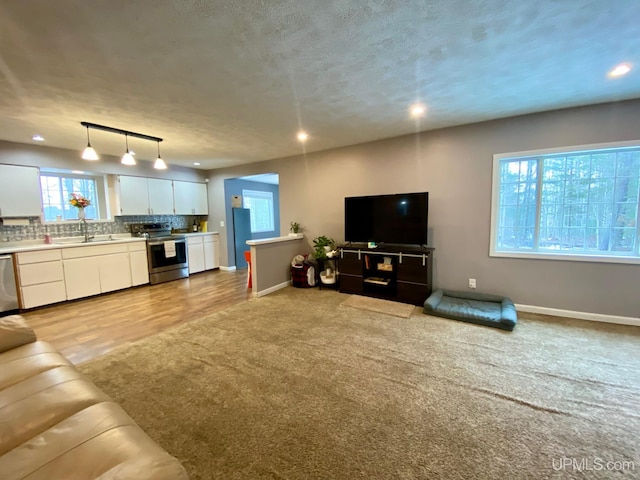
{"type": "Point", "coordinates": [162, 242]}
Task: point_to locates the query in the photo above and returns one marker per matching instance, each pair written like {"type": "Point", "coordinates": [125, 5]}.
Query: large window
{"type": "Point", "coordinates": [261, 205]}
{"type": "Point", "coordinates": [580, 204]}
{"type": "Point", "coordinates": [56, 192]}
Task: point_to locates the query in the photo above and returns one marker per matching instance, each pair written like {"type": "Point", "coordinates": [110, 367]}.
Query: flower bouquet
{"type": "Point", "coordinates": [79, 201]}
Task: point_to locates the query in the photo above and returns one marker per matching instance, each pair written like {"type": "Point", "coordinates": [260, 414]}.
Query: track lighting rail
{"type": "Point", "coordinates": [119, 131]}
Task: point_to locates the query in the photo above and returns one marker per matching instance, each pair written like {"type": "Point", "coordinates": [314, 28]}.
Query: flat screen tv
{"type": "Point", "coordinates": [397, 219]}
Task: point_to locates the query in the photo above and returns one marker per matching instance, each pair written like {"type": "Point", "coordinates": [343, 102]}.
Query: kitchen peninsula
{"type": "Point", "coordinates": [271, 260]}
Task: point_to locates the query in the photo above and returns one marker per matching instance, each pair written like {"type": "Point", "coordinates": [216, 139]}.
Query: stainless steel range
{"type": "Point", "coordinates": [166, 253]}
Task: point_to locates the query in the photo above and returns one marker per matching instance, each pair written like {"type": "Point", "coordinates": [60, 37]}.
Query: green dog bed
{"type": "Point", "coordinates": [480, 308]}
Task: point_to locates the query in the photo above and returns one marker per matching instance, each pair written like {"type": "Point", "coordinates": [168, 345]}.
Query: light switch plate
{"type": "Point", "coordinates": [222, 223]}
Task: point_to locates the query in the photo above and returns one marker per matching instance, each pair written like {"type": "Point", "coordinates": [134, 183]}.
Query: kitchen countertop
{"type": "Point", "coordinates": [66, 242]}
{"type": "Point", "coordinates": [195, 234]}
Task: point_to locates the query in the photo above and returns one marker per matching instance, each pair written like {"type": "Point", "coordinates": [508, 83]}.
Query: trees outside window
{"type": "Point", "coordinates": [583, 202]}
{"type": "Point", "coordinates": [56, 192]}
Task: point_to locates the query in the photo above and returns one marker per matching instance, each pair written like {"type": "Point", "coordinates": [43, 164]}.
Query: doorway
{"type": "Point", "coordinates": [254, 201]}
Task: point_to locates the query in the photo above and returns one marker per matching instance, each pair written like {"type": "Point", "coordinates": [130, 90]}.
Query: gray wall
{"type": "Point", "coordinates": [455, 165]}
{"type": "Point", "coordinates": [271, 264]}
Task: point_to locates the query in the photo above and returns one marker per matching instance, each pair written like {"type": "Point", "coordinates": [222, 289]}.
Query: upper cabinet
{"type": "Point", "coordinates": [145, 196]}
{"type": "Point", "coordinates": [190, 198]}
{"type": "Point", "coordinates": [20, 191]}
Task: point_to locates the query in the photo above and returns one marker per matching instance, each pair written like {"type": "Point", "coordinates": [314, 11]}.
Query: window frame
{"type": "Point", "coordinates": [634, 258]}
{"type": "Point", "coordinates": [101, 207]}
{"type": "Point", "coordinates": [246, 193]}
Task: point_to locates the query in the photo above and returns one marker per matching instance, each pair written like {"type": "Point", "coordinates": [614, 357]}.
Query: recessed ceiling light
{"type": "Point", "coordinates": [196, 163]}
{"type": "Point", "coordinates": [38, 138]}
{"type": "Point", "coordinates": [417, 110]}
{"type": "Point", "coordinates": [620, 70]}
{"type": "Point", "coordinates": [302, 136]}
{"type": "Point", "coordinates": [78, 172]}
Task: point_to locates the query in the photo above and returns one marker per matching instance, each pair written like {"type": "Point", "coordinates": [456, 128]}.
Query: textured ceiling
{"type": "Point", "coordinates": [226, 82]}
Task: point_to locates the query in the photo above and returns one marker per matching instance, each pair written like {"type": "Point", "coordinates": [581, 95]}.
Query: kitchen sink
{"type": "Point", "coordinates": [80, 240]}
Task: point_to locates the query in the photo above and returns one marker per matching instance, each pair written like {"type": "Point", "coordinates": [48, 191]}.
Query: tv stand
{"type": "Point", "coordinates": [401, 273]}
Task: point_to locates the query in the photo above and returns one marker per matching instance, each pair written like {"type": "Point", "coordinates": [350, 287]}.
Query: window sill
{"type": "Point", "coordinates": [567, 257]}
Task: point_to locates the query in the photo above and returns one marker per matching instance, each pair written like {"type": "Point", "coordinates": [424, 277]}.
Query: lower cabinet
{"type": "Point", "coordinates": [203, 252]}
{"type": "Point", "coordinates": [195, 253]}
{"type": "Point", "coordinates": [94, 270]}
{"type": "Point", "coordinates": [55, 275]}
{"type": "Point", "coordinates": [40, 278]}
{"type": "Point", "coordinates": [82, 277]}
{"type": "Point", "coordinates": [139, 264]}
{"type": "Point", "coordinates": [211, 244]}
{"type": "Point", "coordinates": [115, 272]}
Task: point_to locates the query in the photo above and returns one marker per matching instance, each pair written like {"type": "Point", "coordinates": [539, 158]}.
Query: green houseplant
{"type": "Point", "coordinates": [322, 245]}
{"type": "Point", "coordinates": [294, 227]}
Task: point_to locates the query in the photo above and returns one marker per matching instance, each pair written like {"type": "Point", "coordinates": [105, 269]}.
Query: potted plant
{"type": "Point", "coordinates": [322, 245]}
{"type": "Point", "coordinates": [294, 228]}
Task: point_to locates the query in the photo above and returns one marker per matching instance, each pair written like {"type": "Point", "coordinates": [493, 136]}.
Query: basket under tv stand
{"type": "Point", "coordinates": [402, 273]}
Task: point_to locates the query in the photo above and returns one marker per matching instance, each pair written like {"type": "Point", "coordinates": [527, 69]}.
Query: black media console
{"type": "Point", "coordinates": [400, 272]}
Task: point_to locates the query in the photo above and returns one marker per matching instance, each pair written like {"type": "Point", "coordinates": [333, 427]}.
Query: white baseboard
{"type": "Point", "coordinates": [269, 290]}
{"type": "Point", "coordinates": [596, 317]}
{"type": "Point", "coordinates": [232, 268]}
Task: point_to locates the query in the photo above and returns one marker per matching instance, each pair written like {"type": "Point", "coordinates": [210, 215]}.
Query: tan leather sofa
{"type": "Point", "coordinates": [56, 424]}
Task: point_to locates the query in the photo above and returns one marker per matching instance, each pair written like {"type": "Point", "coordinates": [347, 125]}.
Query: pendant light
{"type": "Point", "coordinates": [159, 163]}
{"type": "Point", "coordinates": [127, 158]}
{"type": "Point", "coordinates": [89, 153]}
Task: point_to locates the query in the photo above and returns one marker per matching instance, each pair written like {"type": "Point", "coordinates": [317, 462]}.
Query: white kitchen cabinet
{"type": "Point", "coordinates": [115, 272]}
{"type": "Point", "coordinates": [203, 251]}
{"type": "Point", "coordinates": [195, 252]}
{"type": "Point", "coordinates": [82, 277]}
{"type": "Point", "coordinates": [160, 196]}
{"type": "Point", "coordinates": [190, 198]}
{"type": "Point", "coordinates": [138, 263]}
{"type": "Point", "coordinates": [40, 278]}
{"type": "Point", "coordinates": [20, 191]}
{"type": "Point", "coordinates": [211, 244]}
{"type": "Point", "coordinates": [96, 269]}
{"type": "Point", "coordinates": [145, 196]}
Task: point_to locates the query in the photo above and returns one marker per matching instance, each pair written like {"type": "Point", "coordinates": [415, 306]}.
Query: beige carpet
{"type": "Point", "coordinates": [378, 305]}
{"type": "Point", "coordinates": [294, 386]}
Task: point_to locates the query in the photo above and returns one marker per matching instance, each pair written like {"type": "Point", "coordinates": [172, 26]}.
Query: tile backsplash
{"type": "Point", "coordinates": [70, 228]}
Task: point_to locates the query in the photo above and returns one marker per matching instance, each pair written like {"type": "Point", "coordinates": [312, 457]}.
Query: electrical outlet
{"type": "Point", "coordinates": [222, 223]}
{"type": "Point", "coordinates": [472, 283]}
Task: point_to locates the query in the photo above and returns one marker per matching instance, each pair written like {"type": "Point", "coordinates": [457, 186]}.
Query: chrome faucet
{"type": "Point", "coordinates": [85, 231]}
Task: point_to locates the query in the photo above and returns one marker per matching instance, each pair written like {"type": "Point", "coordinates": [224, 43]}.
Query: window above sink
{"type": "Point", "coordinates": [58, 185]}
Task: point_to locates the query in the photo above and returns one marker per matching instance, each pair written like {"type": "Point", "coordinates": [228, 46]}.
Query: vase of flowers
{"type": "Point", "coordinates": [80, 203]}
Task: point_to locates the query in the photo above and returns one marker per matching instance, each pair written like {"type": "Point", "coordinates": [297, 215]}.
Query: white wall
{"type": "Point", "coordinates": [454, 166]}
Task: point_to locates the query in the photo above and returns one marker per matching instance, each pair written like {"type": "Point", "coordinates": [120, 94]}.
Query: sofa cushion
{"type": "Point", "coordinates": [41, 401]}
{"type": "Point", "coordinates": [100, 441]}
{"type": "Point", "coordinates": [29, 360]}
{"type": "Point", "coordinates": [14, 332]}
{"type": "Point", "coordinates": [55, 423]}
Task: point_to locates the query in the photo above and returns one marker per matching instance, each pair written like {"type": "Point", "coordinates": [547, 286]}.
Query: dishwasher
{"type": "Point", "coordinates": [8, 293]}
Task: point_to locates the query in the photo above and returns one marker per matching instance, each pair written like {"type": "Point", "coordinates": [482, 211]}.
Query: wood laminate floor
{"type": "Point", "coordinates": [88, 328]}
